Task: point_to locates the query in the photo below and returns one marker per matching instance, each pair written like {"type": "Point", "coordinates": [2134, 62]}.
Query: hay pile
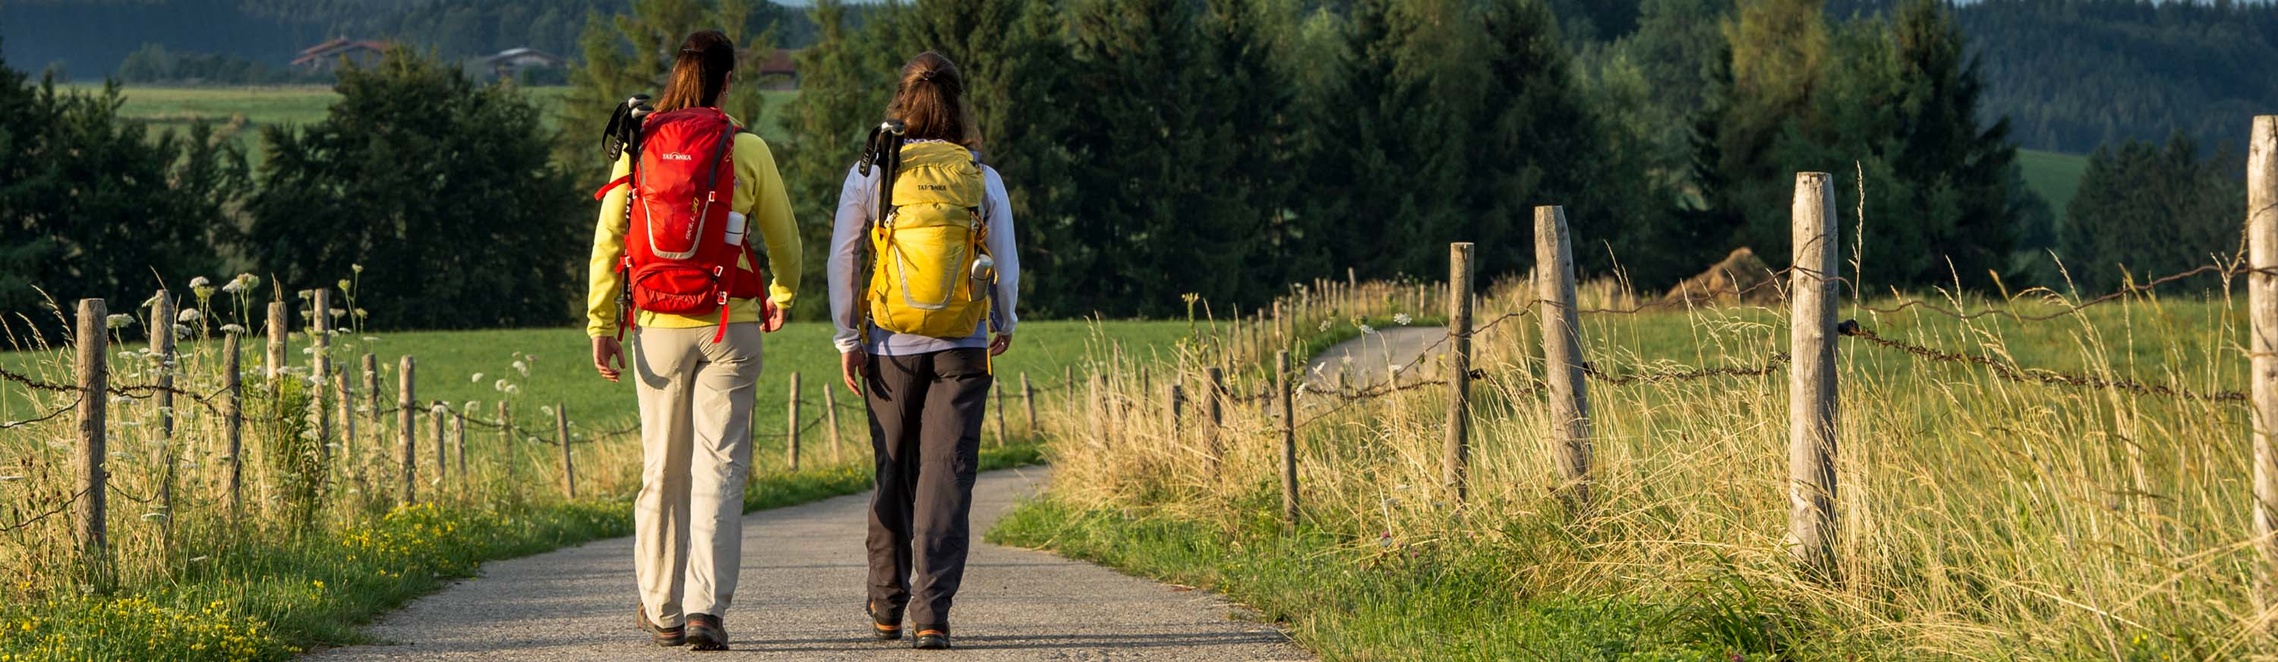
{"type": "Point", "coordinates": [1741, 278]}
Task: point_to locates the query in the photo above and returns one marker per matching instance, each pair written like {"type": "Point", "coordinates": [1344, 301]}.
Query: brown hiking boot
{"type": "Point", "coordinates": [705, 633]}
{"type": "Point", "coordinates": [884, 626]}
{"type": "Point", "coordinates": [663, 636]}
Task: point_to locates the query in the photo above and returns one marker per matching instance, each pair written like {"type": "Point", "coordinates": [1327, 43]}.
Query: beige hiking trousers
{"type": "Point", "coordinates": [696, 403]}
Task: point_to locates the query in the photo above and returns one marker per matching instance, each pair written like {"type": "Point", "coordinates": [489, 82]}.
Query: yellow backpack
{"type": "Point", "coordinates": [925, 250]}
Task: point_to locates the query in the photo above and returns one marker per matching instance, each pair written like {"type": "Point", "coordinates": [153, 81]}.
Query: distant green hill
{"type": "Point", "coordinates": [2056, 177]}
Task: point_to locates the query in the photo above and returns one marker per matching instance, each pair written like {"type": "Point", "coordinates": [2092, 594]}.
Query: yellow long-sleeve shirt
{"type": "Point", "coordinates": [759, 197]}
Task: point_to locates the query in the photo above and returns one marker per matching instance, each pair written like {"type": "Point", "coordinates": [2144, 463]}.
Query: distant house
{"type": "Point", "coordinates": [512, 62]}
{"type": "Point", "coordinates": [780, 71]}
{"type": "Point", "coordinates": [328, 55]}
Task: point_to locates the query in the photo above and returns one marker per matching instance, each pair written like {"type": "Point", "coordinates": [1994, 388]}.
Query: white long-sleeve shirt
{"type": "Point", "coordinates": [856, 201]}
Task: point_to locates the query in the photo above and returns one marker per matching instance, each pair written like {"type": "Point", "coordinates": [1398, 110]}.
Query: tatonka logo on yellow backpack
{"type": "Point", "coordinates": [924, 280]}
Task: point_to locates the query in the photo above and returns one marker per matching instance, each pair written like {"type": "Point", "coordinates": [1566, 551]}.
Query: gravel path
{"type": "Point", "coordinates": [801, 597]}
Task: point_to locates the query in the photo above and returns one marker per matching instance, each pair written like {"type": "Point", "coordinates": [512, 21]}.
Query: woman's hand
{"type": "Point", "coordinates": [772, 320]}
{"type": "Point", "coordinates": [850, 369]}
{"type": "Point", "coordinates": [998, 346]}
{"type": "Point", "coordinates": [607, 350]}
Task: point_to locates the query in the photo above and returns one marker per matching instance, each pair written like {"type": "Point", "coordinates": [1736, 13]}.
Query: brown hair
{"type": "Point", "coordinates": [930, 102]}
{"type": "Point", "coordinates": [699, 71]}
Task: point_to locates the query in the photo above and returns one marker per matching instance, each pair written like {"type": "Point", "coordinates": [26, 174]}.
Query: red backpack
{"type": "Point", "coordinates": [680, 253]}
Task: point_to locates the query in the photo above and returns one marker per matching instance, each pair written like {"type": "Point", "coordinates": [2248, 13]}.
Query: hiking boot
{"type": "Point", "coordinates": [663, 636]}
{"type": "Point", "coordinates": [882, 626]}
{"type": "Point", "coordinates": [705, 633]}
{"type": "Point", "coordinates": [931, 639]}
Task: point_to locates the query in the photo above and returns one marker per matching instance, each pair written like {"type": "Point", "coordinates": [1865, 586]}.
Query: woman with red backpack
{"type": "Point", "coordinates": [674, 264]}
{"type": "Point", "coordinates": [922, 271]}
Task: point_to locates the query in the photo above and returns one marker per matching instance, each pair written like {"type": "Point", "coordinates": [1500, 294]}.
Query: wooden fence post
{"type": "Point", "coordinates": [406, 429]}
{"type": "Point", "coordinates": [233, 418]}
{"type": "Point", "coordinates": [1215, 407]}
{"type": "Point", "coordinates": [997, 408]}
{"type": "Point", "coordinates": [162, 344]}
{"type": "Point", "coordinates": [1028, 402]}
{"type": "Point", "coordinates": [561, 432]}
{"type": "Point", "coordinates": [280, 328]}
{"type": "Point", "coordinates": [435, 424]}
{"type": "Point", "coordinates": [372, 392]}
{"type": "Point", "coordinates": [2262, 313]}
{"type": "Point", "coordinates": [343, 397]}
{"type": "Point", "coordinates": [791, 449]}
{"type": "Point", "coordinates": [1287, 411]}
{"type": "Point", "coordinates": [1174, 407]}
{"type": "Point", "coordinates": [1811, 379]}
{"type": "Point", "coordinates": [94, 373]}
{"type": "Point", "coordinates": [1562, 355]}
{"type": "Point", "coordinates": [320, 371]}
{"type": "Point", "coordinates": [1455, 458]}
{"type": "Point", "coordinates": [459, 443]}
{"type": "Point", "coordinates": [830, 420]}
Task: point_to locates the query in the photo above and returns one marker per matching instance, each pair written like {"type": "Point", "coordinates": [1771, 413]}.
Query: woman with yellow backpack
{"type": "Point", "coordinates": [922, 273]}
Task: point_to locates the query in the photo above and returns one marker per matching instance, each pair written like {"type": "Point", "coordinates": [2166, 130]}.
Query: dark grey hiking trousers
{"type": "Point", "coordinates": [925, 427]}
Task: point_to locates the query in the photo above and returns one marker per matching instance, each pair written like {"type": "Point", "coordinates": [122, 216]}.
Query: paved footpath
{"type": "Point", "coordinates": [1368, 360]}
{"type": "Point", "coordinates": [801, 599]}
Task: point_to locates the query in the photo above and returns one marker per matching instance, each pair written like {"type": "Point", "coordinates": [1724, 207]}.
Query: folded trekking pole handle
{"type": "Point", "coordinates": [882, 144]}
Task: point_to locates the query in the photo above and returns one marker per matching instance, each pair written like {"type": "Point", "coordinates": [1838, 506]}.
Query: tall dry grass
{"type": "Point", "coordinates": [1980, 517]}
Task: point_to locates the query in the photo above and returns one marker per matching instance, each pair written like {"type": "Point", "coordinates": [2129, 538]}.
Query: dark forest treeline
{"type": "Point", "coordinates": [1159, 148]}
{"type": "Point", "coordinates": [94, 39]}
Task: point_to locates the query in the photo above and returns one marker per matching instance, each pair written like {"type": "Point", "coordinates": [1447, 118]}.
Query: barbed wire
{"type": "Point", "coordinates": [2070, 309]}
{"type": "Point", "coordinates": [60, 411]}
{"type": "Point", "coordinates": [59, 508]}
{"type": "Point", "coordinates": [1779, 360]}
{"type": "Point", "coordinates": [2015, 373]}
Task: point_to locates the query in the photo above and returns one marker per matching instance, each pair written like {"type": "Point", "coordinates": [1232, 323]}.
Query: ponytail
{"type": "Point", "coordinates": [930, 102]}
{"type": "Point", "coordinates": [699, 71]}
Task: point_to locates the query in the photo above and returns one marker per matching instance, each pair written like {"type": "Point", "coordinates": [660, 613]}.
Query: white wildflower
{"type": "Point", "coordinates": [500, 386]}
{"type": "Point", "coordinates": [1366, 329]}
{"type": "Point", "coordinates": [1324, 325]}
{"type": "Point", "coordinates": [336, 312]}
{"type": "Point", "coordinates": [546, 409]}
{"type": "Point", "coordinates": [358, 268]}
{"type": "Point", "coordinates": [189, 315]}
{"type": "Point", "coordinates": [360, 314]}
{"type": "Point", "coordinates": [232, 328]}
{"type": "Point", "coordinates": [199, 282]}
{"type": "Point", "coordinates": [1402, 319]}
{"type": "Point", "coordinates": [522, 367]}
{"type": "Point", "coordinates": [181, 331]}
{"type": "Point", "coordinates": [476, 378]}
{"type": "Point", "coordinates": [512, 389]}
{"type": "Point", "coordinates": [344, 285]}
{"type": "Point", "coordinates": [118, 321]}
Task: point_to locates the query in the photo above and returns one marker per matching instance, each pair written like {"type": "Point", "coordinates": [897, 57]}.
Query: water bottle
{"type": "Point", "coordinates": [984, 277]}
{"type": "Point", "coordinates": [735, 229]}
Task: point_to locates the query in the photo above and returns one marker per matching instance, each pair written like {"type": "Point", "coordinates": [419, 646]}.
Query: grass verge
{"type": "Point", "coordinates": [272, 599]}
{"type": "Point", "coordinates": [1375, 600]}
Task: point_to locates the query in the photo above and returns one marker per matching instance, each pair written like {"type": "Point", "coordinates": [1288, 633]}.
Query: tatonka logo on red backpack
{"type": "Point", "coordinates": [681, 255]}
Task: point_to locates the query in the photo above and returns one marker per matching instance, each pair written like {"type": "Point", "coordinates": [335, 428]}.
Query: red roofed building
{"type": "Point", "coordinates": [328, 55]}
{"type": "Point", "coordinates": [780, 71]}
